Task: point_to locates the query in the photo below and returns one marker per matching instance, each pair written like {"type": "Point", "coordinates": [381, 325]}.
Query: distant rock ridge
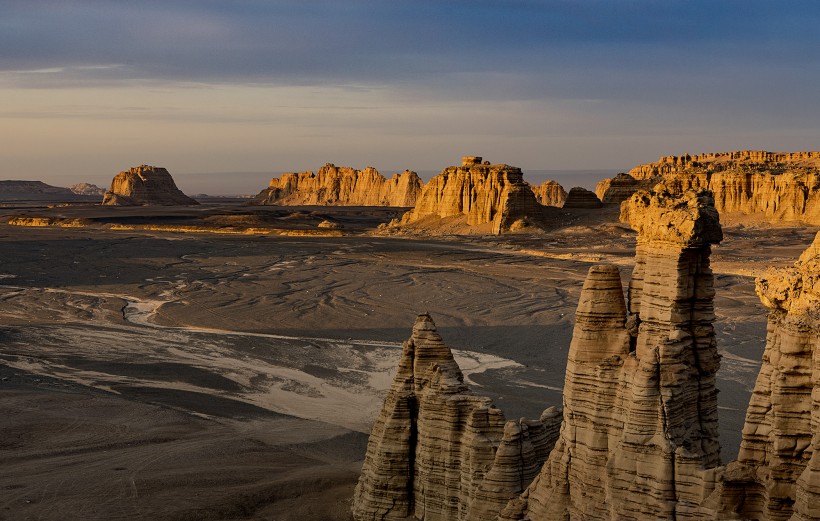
{"type": "Point", "coordinates": [145, 185]}
{"type": "Point", "coordinates": [86, 189]}
{"type": "Point", "coordinates": [439, 452]}
{"type": "Point", "coordinates": [481, 194]}
{"type": "Point", "coordinates": [550, 193]}
{"type": "Point", "coordinates": [342, 186]}
{"type": "Point", "coordinates": [775, 186]}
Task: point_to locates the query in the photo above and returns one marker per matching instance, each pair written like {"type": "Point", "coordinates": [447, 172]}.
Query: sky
{"type": "Point", "coordinates": [208, 88]}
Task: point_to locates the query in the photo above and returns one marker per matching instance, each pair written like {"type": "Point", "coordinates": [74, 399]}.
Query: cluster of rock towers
{"type": "Point", "coordinates": [637, 437]}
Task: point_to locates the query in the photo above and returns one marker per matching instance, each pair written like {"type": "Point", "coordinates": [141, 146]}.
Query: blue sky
{"type": "Point", "coordinates": [91, 87]}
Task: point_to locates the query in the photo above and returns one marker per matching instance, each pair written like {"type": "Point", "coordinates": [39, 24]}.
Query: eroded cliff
{"type": "Point", "coordinates": [550, 193]}
{"type": "Point", "coordinates": [775, 186]}
{"type": "Point", "coordinates": [478, 194]}
{"type": "Point", "coordinates": [145, 185]}
{"type": "Point", "coordinates": [342, 186]}
{"type": "Point", "coordinates": [438, 451]}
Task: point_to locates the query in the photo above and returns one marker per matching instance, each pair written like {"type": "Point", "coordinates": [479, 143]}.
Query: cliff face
{"type": "Point", "coordinates": [550, 193]}
{"type": "Point", "coordinates": [640, 406]}
{"type": "Point", "coordinates": [145, 185]}
{"type": "Point", "coordinates": [480, 192]}
{"type": "Point", "coordinates": [777, 473]}
{"type": "Point", "coordinates": [581, 198]}
{"type": "Point", "coordinates": [775, 186]}
{"type": "Point", "coordinates": [342, 186]}
{"type": "Point", "coordinates": [439, 452]}
{"type": "Point", "coordinates": [620, 188]}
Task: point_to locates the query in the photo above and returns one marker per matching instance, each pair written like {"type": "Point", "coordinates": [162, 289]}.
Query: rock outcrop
{"type": "Point", "coordinates": [480, 194]}
{"type": "Point", "coordinates": [639, 438]}
{"type": "Point", "coordinates": [86, 189]}
{"type": "Point", "coordinates": [145, 186]}
{"type": "Point", "coordinates": [777, 473]}
{"type": "Point", "coordinates": [581, 198]}
{"type": "Point", "coordinates": [620, 188]}
{"type": "Point", "coordinates": [342, 186]}
{"type": "Point", "coordinates": [550, 193]}
{"type": "Point", "coordinates": [778, 187]}
{"type": "Point", "coordinates": [439, 452]}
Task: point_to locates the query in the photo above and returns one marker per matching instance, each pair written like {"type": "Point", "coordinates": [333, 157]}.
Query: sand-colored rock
{"type": "Point", "coordinates": [145, 185]}
{"type": "Point", "coordinates": [86, 189]}
{"type": "Point", "coordinates": [579, 197]}
{"type": "Point", "coordinates": [620, 188]}
{"type": "Point", "coordinates": [775, 186]}
{"type": "Point", "coordinates": [550, 193]}
{"type": "Point", "coordinates": [342, 186]}
{"type": "Point", "coordinates": [777, 473]}
{"type": "Point", "coordinates": [639, 437]}
{"type": "Point", "coordinates": [438, 451]}
{"type": "Point", "coordinates": [480, 194]}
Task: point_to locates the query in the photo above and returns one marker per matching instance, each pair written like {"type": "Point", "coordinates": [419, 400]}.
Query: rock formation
{"type": "Point", "coordinates": [639, 434]}
{"type": "Point", "coordinates": [86, 189]}
{"type": "Point", "coordinates": [145, 186]}
{"type": "Point", "coordinates": [479, 193]}
{"type": "Point", "coordinates": [34, 191]}
{"type": "Point", "coordinates": [581, 198]}
{"type": "Point", "coordinates": [342, 186]}
{"type": "Point", "coordinates": [439, 452]}
{"type": "Point", "coordinates": [550, 193]}
{"type": "Point", "coordinates": [620, 188]}
{"type": "Point", "coordinates": [772, 185]}
{"type": "Point", "coordinates": [777, 473]}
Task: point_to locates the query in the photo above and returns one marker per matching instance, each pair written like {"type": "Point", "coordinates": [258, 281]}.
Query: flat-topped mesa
{"type": "Point", "coordinates": [145, 185]}
{"type": "Point", "coordinates": [479, 194]}
{"type": "Point", "coordinates": [438, 452]}
{"type": "Point", "coordinates": [579, 197]}
{"type": "Point", "coordinates": [639, 437]}
{"type": "Point", "coordinates": [777, 473]}
{"type": "Point", "coordinates": [342, 186]}
{"type": "Point", "coordinates": [550, 193]}
{"type": "Point", "coordinates": [775, 186]}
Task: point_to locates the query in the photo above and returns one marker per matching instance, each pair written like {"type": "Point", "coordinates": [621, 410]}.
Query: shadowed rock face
{"type": "Point", "coordinates": [620, 188]}
{"type": "Point", "coordinates": [773, 185]}
{"type": "Point", "coordinates": [481, 192]}
{"type": "Point", "coordinates": [145, 186]}
{"type": "Point", "coordinates": [581, 198]}
{"type": "Point", "coordinates": [777, 473]}
{"type": "Point", "coordinates": [342, 186]}
{"type": "Point", "coordinates": [439, 452]}
{"type": "Point", "coordinates": [550, 193]}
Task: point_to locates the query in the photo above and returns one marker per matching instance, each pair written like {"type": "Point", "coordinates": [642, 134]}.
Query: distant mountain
{"type": "Point", "coordinates": [87, 189]}
{"type": "Point", "coordinates": [14, 190]}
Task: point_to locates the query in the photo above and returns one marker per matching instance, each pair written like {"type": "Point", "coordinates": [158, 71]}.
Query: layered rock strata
{"type": "Point", "coordinates": [779, 187]}
{"type": "Point", "coordinates": [620, 188]}
{"type": "Point", "coordinates": [342, 186]}
{"type": "Point", "coordinates": [581, 198]}
{"type": "Point", "coordinates": [550, 193]}
{"type": "Point", "coordinates": [777, 474]}
{"type": "Point", "coordinates": [481, 193]}
{"type": "Point", "coordinates": [438, 451]}
{"type": "Point", "coordinates": [639, 437]}
{"type": "Point", "coordinates": [145, 185]}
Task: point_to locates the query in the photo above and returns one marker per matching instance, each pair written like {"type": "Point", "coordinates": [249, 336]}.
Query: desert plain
{"type": "Point", "coordinates": [153, 370]}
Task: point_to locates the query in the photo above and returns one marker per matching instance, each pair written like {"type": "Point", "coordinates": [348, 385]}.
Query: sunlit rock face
{"type": "Point", "coordinates": [639, 438]}
{"type": "Point", "coordinates": [480, 192]}
{"type": "Point", "coordinates": [439, 452]}
{"type": "Point", "coordinates": [778, 187]}
{"type": "Point", "coordinates": [342, 186]}
{"type": "Point", "coordinates": [777, 473]}
{"type": "Point", "coordinates": [550, 193]}
{"type": "Point", "coordinates": [145, 186]}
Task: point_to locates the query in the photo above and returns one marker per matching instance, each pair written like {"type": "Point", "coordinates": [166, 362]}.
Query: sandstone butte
{"type": "Point", "coordinates": [638, 437]}
{"type": "Point", "coordinates": [581, 198]}
{"type": "Point", "coordinates": [145, 185]}
{"type": "Point", "coordinates": [775, 186]}
{"type": "Point", "coordinates": [550, 193]}
{"type": "Point", "coordinates": [342, 186]}
{"type": "Point", "coordinates": [479, 194]}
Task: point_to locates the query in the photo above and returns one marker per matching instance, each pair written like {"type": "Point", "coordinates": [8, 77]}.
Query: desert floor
{"type": "Point", "coordinates": [184, 376]}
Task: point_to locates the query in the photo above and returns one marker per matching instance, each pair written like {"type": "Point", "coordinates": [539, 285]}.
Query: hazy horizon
{"type": "Point", "coordinates": [90, 88]}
